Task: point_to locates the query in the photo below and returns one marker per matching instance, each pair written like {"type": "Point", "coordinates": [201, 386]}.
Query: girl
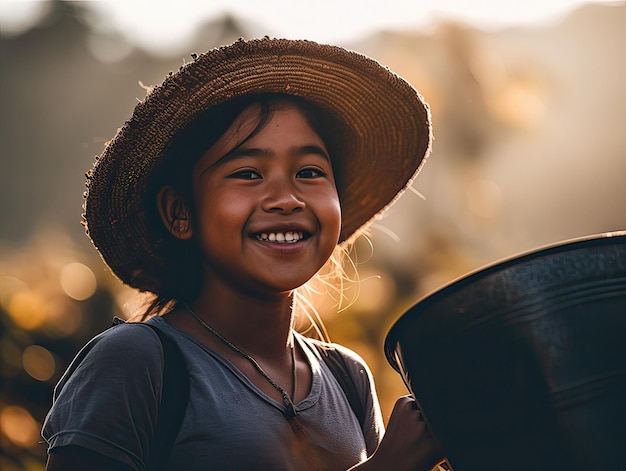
{"type": "Point", "coordinates": [232, 185]}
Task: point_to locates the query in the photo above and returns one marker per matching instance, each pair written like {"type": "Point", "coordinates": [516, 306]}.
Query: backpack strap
{"type": "Point", "coordinates": [174, 399]}
{"type": "Point", "coordinates": [337, 365]}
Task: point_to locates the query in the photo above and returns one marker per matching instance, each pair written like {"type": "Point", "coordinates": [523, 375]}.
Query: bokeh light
{"type": "Point", "coordinates": [19, 426]}
{"type": "Point", "coordinates": [28, 309]}
{"type": "Point", "coordinates": [38, 362]}
{"type": "Point", "coordinates": [78, 281]}
{"type": "Point", "coordinates": [520, 103]}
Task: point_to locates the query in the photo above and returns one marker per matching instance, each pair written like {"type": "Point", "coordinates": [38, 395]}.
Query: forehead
{"type": "Point", "coordinates": [253, 121]}
{"type": "Point", "coordinates": [256, 116]}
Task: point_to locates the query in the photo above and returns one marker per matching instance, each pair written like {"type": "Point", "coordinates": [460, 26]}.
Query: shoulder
{"type": "Point", "coordinates": [353, 362]}
{"type": "Point", "coordinates": [119, 340]}
{"type": "Point", "coordinates": [134, 346]}
{"type": "Point", "coordinates": [112, 366]}
{"type": "Point", "coordinates": [109, 395]}
{"type": "Point", "coordinates": [323, 347]}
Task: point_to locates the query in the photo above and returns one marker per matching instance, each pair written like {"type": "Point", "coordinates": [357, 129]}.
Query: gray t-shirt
{"type": "Point", "coordinates": [108, 401]}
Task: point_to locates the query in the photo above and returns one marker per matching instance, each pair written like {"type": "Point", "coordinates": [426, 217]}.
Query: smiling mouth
{"type": "Point", "coordinates": [289, 237]}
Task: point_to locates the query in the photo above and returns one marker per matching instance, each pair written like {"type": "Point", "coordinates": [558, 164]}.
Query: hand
{"type": "Point", "coordinates": [407, 443]}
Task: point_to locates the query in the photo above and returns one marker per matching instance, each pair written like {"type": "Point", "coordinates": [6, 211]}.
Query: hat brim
{"type": "Point", "coordinates": [387, 138]}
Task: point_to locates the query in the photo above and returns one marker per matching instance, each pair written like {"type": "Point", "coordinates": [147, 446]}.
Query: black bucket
{"type": "Point", "coordinates": [522, 365]}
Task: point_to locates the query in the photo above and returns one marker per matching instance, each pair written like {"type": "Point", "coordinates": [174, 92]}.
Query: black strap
{"type": "Point", "coordinates": [174, 399]}
{"type": "Point", "coordinates": [337, 365]}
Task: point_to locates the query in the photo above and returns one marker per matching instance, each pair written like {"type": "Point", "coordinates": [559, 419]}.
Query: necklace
{"type": "Point", "coordinates": [290, 411]}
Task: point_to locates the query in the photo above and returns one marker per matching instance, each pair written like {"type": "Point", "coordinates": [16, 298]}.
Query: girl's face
{"type": "Point", "coordinates": [267, 213]}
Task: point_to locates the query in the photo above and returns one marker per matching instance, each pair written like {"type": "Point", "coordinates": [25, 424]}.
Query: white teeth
{"type": "Point", "coordinates": [281, 237]}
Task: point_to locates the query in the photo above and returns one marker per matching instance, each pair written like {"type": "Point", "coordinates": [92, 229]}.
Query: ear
{"type": "Point", "coordinates": [174, 213]}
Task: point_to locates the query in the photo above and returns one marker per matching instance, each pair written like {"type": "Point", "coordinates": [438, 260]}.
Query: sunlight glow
{"type": "Point", "coordinates": [19, 16]}
{"type": "Point", "coordinates": [484, 198]}
{"type": "Point", "coordinates": [171, 25]}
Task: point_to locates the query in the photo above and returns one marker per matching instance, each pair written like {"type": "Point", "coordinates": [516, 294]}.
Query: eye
{"type": "Point", "coordinates": [245, 175]}
{"type": "Point", "coordinates": [310, 173]}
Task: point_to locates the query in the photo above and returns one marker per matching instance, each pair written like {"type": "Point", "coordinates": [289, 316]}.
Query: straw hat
{"type": "Point", "coordinates": [388, 141]}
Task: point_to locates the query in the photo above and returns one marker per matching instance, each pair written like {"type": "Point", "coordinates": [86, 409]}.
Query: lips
{"type": "Point", "coordinates": [288, 237]}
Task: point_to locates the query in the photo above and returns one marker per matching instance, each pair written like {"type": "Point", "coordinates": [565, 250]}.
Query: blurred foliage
{"type": "Point", "coordinates": [51, 303]}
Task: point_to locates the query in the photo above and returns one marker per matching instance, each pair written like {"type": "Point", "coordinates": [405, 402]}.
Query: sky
{"type": "Point", "coordinates": [155, 23]}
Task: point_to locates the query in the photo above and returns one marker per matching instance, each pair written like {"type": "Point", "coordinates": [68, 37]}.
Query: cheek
{"type": "Point", "coordinates": [219, 218]}
{"type": "Point", "coordinates": [333, 217]}
{"type": "Point", "coordinates": [216, 203]}
{"type": "Point", "coordinates": [338, 216]}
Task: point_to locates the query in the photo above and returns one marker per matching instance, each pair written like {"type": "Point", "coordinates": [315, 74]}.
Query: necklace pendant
{"type": "Point", "coordinates": [296, 425]}
{"type": "Point", "coordinates": [290, 412]}
{"type": "Point", "coordinates": [291, 415]}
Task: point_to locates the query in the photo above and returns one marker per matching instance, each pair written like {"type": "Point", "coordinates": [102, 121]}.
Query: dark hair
{"type": "Point", "coordinates": [183, 268]}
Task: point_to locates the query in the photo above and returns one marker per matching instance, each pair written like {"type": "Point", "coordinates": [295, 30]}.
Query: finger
{"type": "Point", "coordinates": [407, 407]}
{"type": "Point", "coordinates": [404, 403]}
{"type": "Point", "coordinates": [415, 406]}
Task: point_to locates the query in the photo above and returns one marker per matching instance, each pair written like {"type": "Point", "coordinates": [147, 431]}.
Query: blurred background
{"type": "Point", "coordinates": [528, 103]}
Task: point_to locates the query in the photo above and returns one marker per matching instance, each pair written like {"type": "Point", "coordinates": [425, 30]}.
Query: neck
{"type": "Point", "coordinates": [259, 327]}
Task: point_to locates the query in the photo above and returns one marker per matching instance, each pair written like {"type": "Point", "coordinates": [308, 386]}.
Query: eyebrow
{"type": "Point", "coordinates": [242, 151]}
{"type": "Point", "coordinates": [296, 151]}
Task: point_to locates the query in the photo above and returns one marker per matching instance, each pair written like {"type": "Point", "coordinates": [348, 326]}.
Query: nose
{"type": "Point", "coordinates": [282, 197]}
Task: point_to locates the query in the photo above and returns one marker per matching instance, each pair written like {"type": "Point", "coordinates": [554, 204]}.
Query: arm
{"type": "Point", "coordinates": [407, 443]}
{"type": "Point", "coordinates": [74, 458]}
